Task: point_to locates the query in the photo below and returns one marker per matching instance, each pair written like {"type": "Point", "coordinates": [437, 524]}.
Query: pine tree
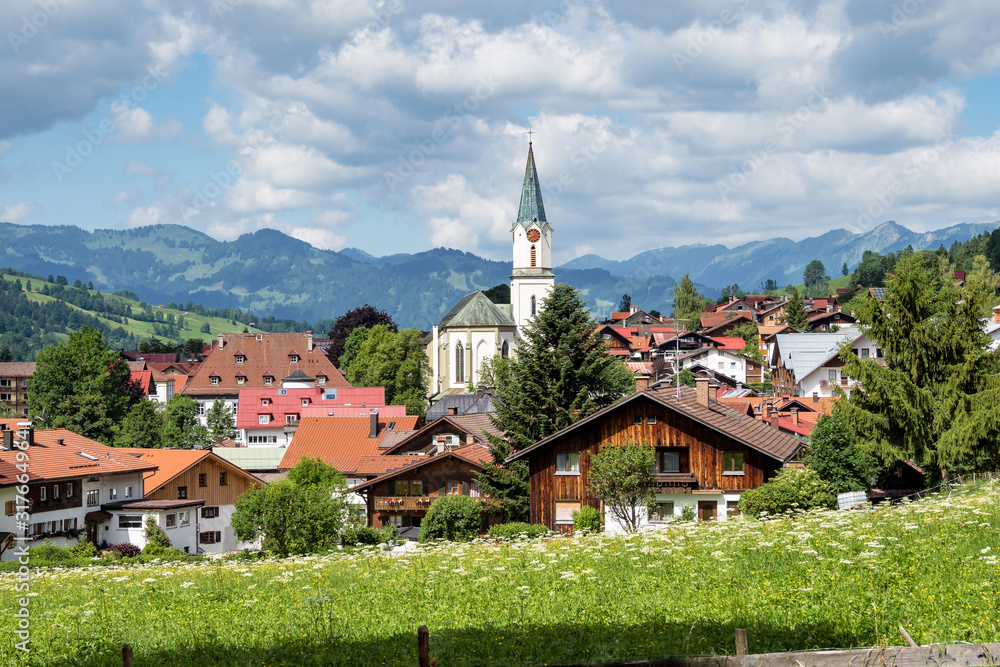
{"type": "Point", "coordinates": [932, 397]}
{"type": "Point", "coordinates": [795, 312]}
{"type": "Point", "coordinates": [562, 374]}
{"type": "Point", "coordinates": [688, 304]}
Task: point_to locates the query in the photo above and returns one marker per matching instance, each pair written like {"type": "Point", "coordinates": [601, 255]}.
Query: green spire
{"type": "Point", "coordinates": [531, 209]}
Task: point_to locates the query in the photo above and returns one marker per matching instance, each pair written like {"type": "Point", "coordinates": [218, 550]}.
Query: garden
{"type": "Point", "coordinates": [816, 580]}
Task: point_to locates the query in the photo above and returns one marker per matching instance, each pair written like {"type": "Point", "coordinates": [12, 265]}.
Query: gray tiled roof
{"type": "Point", "coordinates": [803, 353]}
{"type": "Point", "coordinates": [476, 310]}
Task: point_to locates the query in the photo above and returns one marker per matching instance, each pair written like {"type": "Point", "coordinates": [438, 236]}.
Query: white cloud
{"type": "Point", "coordinates": [136, 126]}
{"type": "Point", "coordinates": [144, 216]}
{"type": "Point", "coordinates": [320, 238]}
{"type": "Point", "coordinates": [19, 211]}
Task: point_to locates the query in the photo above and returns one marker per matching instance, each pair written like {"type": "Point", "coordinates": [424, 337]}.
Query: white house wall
{"type": "Point", "coordinates": [680, 501]}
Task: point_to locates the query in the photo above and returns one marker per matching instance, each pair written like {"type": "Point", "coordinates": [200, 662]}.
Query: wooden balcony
{"type": "Point", "coordinates": [405, 504]}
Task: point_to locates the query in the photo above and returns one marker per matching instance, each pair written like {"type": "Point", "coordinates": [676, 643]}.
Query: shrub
{"type": "Point", "coordinates": [125, 550]}
{"type": "Point", "coordinates": [50, 553]}
{"type": "Point", "coordinates": [84, 549]}
{"type": "Point", "coordinates": [364, 535]}
{"type": "Point", "coordinates": [389, 533]}
{"type": "Point", "coordinates": [455, 518]}
{"type": "Point", "coordinates": [517, 530]}
{"type": "Point", "coordinates": [166, 553]}
{"type": "Point", "coordinates": [587, 518]}
{"type": "Point", "coordinates": [153, 533]}
{"type": "Point", "coordinates": [246, 554]}
{"type": "Point", "coordinates": [793, 488]}
{"type": "Point", "coordinates": [688, 513]}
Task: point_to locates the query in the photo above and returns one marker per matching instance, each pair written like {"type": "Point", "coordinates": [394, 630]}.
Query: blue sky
{"type": "Point", "coordinates": [397, 126]}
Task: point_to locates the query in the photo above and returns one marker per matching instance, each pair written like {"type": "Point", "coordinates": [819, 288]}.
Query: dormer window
{"type": "Point", "coordinates": [320, 379]}
{"type": "Point", "coordinates": [265, 402]}
{"type": "Point", "coordinates": [240, 358]}
{"type": "Point", "coordinates": [268, 379]}
{"type": "Point", "coordinates": [293, 358]}
{"type": "Point", "coordinates": [263, 419]}
{"type": "Point", "coordinates": [240, 379]}
{"type": "Point", "coordinates": [305, 402]}
{"type": "Point", "coordinates": [214, 379]}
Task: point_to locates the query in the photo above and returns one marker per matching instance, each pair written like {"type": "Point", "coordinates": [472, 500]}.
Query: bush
{"type": "Point", "coordinates": [587, 518]}
{"type": "Point", "coordinates": [517, 530]}
{"type": "Point", "coordinates": [50, 554]}
{"type": "Point", "coordinates": [793, 488]}
{"type": "Point", "coordinates": [166, 553]}
{"type": "Point", "coordinates": [389, 533]}
{"type": "Point", "coordinates": [364, 535]}
{"type": "Point", "coordinates": [155, 536]}
{"type": "Point", "coordinates": [455, 518]}
{"type": "Point", "coordinates": [125, 550]}
{"type": "Point", "coordinates": [83, 549]}
{"type": "Point", "coordinates": [246, 554]}
{"type": "Point", "coordinates": [688, 513]}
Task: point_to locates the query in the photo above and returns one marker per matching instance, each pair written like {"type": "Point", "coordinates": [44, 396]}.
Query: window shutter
{"type": "Point", "coordinates": [465, 488]}
{"type": "Point", "coordinates": [218, 536]}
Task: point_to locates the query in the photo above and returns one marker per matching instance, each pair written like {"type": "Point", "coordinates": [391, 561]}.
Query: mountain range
{"type": "Point", "coordinates": [269, 273]}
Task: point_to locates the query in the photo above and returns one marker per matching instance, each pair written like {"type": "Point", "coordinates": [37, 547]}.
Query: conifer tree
{"type": "Point", "coordinates": [562, 373]}
{"type": "Point", "coordinates": [688, 304]}
{"type": "Point", "coordinates": [932, 397]}
{"type": "Point", "coordinates": [795, 313]}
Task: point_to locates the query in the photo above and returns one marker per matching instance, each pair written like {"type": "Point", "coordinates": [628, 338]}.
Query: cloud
{"type": "Point", "coordinates": [19, 211]}
{"type": "Point", "coordinates": [130, 197]}
{"type": "Point", "coordinates": [319, 238]}
{"type": "Point", "coordinates": [137, 126]}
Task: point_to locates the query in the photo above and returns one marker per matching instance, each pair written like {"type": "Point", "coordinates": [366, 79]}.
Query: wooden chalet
{"type": "Point", "coordinates": [707, 454]}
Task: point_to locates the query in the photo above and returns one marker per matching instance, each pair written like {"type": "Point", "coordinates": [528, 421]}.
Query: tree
{"type": "Point", "coordinates": [83, 365]}
{"type": "Point", "coordinates": [362, 316]}
{"type": "Point", "coordinates": [315, 472]}
{"type": "Point", "coordinates": [396, 361]}
{"type": "Point", "coordinates": [982, 274]}
{"type": "Point", "coordinates": [686, 377]}
{"type": "Point", "coordinates": [155, 536]}
{"type": "Point", "coordinates": [292, 516]}
{"type": "Point", "coordinates": [5, 354]}
{"type": "Point", "coordinates": [795, 313]}
{"type": "Point", "coordinates": [844, 270]}
{"type": "Point", "coordinates": [562, 373]}
{"type": "Point", "coordinates": [625, 303]}
{"type": "Point", "coordinates": [90, 284]}
{"type": "Point", "coordinates": [835, 455]}
{"type": "Point", "coordinates": [622, 477]}
{"type": "Point", "coordinates": [688, 304]}
{"type": "Point", "coordinates": [206, 328]}
{"type": "Point", "coordinates": [352, 346]}
{"type": "Point", "coordinates": [193, 346]}
{"type": "Point", "coordinates": [932, 395]}
{"type": "Point", "coordinates": [142, 427]}
{"type": "Point", "coordinates": [769, 285]}
{"type": "Point", "coordinates": [791, 489]}
{"type": "Point", "coordinates": [455, 518]}
{"type": "Point", "coordinates": [61, 280]}
{"type": "Point", "coordinates": [655, 313]}
{"type": "Point", "coordinates": [815, 279]}
{"type": "Point", "coordinates": [220, 421]}
{"type": "Point", "coordinates": [181, 426]}
{"type": "Point", "coordinates": [499, 293]}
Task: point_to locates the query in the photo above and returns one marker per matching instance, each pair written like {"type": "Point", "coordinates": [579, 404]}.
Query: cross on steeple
{"type": "Point", "coordinates": [529, 133]}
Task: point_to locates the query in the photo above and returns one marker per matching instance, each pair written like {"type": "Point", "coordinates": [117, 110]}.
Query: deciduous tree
{"type": "Point", "coordinates": [220, 421]}
{"type": "Point", "coordinates": [622, 477]}
{"type": "Point", "coordinates": [396, 361]}
{"type": "Point", "coordinates": [142, 427]}
{"type": "Point", "coordinates": [181, 426]}
{"type": "Point", "coordinates": [362, 316]}
{"type": "Point", "coordinates": [835, 455]}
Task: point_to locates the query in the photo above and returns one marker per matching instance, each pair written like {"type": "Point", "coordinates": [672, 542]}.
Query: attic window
{"type": "Point", "coordinates": [214, 380]}
{"type": "Point", "coordinates": [293, 358]}
{"type": "Point", "coordinates": [240, 379]}
{"type": "Point", "coordinates": [240, 358]}
{"type": "Point", "coordinates": [268, 379]}
{"type": "Point", "coordinates": [265, 401]}
{"type": "Point", "coordinates": [320, 379]}
{"type": "Point", "coordinates": [305, 402]}
{"type": "Point", "coordinates": [87, 456]}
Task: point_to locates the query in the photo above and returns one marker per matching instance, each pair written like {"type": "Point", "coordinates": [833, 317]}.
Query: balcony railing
{"type": "Point", "coordinates": [398, 503]}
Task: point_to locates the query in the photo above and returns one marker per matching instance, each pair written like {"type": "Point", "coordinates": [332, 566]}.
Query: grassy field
{"type": "Point", "coordinates": [814, 581]}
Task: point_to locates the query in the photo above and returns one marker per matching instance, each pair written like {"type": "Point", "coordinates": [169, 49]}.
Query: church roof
{"type": "Point", "coordinates": [531, 209]}
{"type": "Point", "coordinates": [476, 310]}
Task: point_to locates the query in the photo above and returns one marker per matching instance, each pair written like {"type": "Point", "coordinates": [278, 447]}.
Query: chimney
{"type": "Point", "coordinates": [453, 410]}
{"type": "Point", "coordinates": [309, 341]}
{"type": "Point", "coordinates": [373, 417]}
{"type": "Point", "coordinates": [60, 442]}
{"type": "Point", "coordinates": [8, 440]}
{"type": "Point", "coordinates": [795, 416]}
{"type": "Point", "coordinates": [713, 393]}
{"type": "Point", "coordinates": [469, 439]}
{"type": "Point", "coordinates": [701, 387]}
{"type": "Point", "coordinates": [767, 411]}
{"type": "Point", "coordinates": [26, 433]}
{"type": "Point", "coordinates": [774, 421]}
{"type": "Point", "coordinates": [480, 390]}
{"type": "Point", "coordinates": [815, 397]}
{"type": "Point", "coordinates": [632, 310]}
{"type": "Point", "coordinates": [222, 343]}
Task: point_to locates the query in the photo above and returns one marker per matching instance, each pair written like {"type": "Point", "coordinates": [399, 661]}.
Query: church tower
{"type": "Point", "coordinates": [532, 279]}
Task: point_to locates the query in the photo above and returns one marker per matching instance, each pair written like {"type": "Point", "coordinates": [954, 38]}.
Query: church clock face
{"type": "Point", "coordinates": [533, 235]}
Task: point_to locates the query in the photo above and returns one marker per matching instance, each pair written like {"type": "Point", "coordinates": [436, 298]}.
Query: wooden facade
{"type": "Point", "coordinates": [701, 450]}
{"type": "Point", "coordinates": [213, 492]}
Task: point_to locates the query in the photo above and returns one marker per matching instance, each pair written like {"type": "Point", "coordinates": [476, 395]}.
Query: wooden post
{"type": "Point", "coordinates": [126, 655]}
{"type": "Point", "coordinates": [907, 637]}
{"type": "Point", "coordinates": [742, 646]}
{"type": "Point", "coordinates": [424, 646]}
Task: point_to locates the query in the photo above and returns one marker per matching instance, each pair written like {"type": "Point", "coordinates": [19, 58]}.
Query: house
{"type": "Point", "coordinates": [269, 417]}
{"type": "Point", "coordinates": [803, 364]}
{"type": "Point", "coordinates": [830, 320]}
{"type": "Point", "coordinates": [444, 434]}
{"type": "Point", "coordinates": [766, 334]}
{"type": "Point", "coordinates": [462, 404]}
{"type": "Point", "coordinates": [257, 361]}
{"type": "Point", "coordinates": [632, 317]}
{"type": "Point", "coordinates": [772, 313]}
{"type": "Point", "coordinates": [721, 361]}
{"type": "Point", "coordinates": [15, 376]}
{"type": "Point", "coordinates": [720, 323]}
{"type": "Point", "coordinates": [644, 372]}
{"type": "Point", "coordinates": [187, 474]}
{"type": "Point", "coordinates": [618, 340]}
{"type": "Point", "coordinates": [74, 483]}
{"type": "Point", "coordinates": [402, 496]}
{"type": "Point", "coordinates": [707, 454]}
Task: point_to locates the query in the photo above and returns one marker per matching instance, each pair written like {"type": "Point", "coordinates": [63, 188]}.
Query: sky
{"type": "Point", "coordinates": [398, 126]}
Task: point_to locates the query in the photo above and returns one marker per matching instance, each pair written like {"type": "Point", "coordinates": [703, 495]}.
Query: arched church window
{"type": "Point", "coordinates": [459, 363]}
{"type": "Point", "coordinates": [532, 304]}
{"type": "Point", "coordinates": [504, 350]}
{"type": "Point", "coordinates": [532, 255]}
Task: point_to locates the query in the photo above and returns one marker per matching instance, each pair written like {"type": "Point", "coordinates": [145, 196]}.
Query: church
{"type": "Point", "coordinates": [476, 329]}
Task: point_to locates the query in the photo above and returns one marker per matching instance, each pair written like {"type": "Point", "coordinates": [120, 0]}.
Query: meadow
{"type": "Point", "coordinates": [817, 580]}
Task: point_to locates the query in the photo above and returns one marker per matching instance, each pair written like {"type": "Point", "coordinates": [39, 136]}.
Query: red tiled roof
{"type": "Point", "coordinates": [350, 402]}
{"type": "Point", "coordinates": [620, 316]}
{"type": "Point", "coordinates": [712, 320]}
{"type": "Point", "coordinates": [469, 454]}
{"type": "Point", "coordinates": [144, 378]}
{"type": "Point", "coordinates": [340, 441]}
{"type": "Point", "coordinates": [369, 466]}
{"type": "Point", "coordinates": [173, 462]}
{"type": "Point", "coordinates": [730, 342]}
{"type": "Point", "coordinates": [265, 354]}
{"type": "Point", "coordinates": [475, 452]}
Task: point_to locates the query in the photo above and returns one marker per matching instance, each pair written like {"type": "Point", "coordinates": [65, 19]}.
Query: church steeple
{"type": "Point", "coordinates": [531, 209]}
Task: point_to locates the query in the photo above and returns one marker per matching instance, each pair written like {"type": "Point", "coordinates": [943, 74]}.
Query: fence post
{"type": "Point", "coordinates": [126, 655]}
{"type": "Point", "coordinates": [423, 646]}
{"type": "Point", "coordinates": [742, 647]}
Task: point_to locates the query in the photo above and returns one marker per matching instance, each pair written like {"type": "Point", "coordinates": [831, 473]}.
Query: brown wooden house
{"type": "Point", "coordinates": [707, 454]}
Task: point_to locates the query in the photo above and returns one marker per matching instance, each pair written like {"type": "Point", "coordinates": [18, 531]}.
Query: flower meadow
{"type": "Point", "coordinates": [817, 580]}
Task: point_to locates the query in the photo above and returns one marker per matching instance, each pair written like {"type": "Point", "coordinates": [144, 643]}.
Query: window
{"type": "Point", "coordinates": [305, 402]}
{"type": "Point", "coordinates": [416, 488]}
{"type": "Point", "coordinates": [184, 518]}
{"type": "Point", "coordinates": [182, 492]}
{"type": "Point", "coordinates": [93, 497]}
{"type": "Point", "coordinates": [662, 512]}
{"type": "Point", "coordinates": [209, 512]}
{"type": "Point", "coordinates": [128, 491]}
{"type": "Point", "coordinates": [263, 419]}
{"type": "Point", "coordinates": [505, 350]}
{"type": "Point", "coordinates": [291, 419]}
{"type": "Point", "coordinates": [262, 439]}
{"type": "Point", "coordinates": [130, 521]}
{"type": "Point", "coordinates": [636, 419]}
{"type": "Point", "coordinates": [268, 379]}
{"type": "Point", "coordinates": [668, 461]}
{"type": "Point", "coordinates": [732, 364]}
{"type": "Point", "coordinates": [568, 463]}
{"type": "Point", "coordinates": [69, 489]}
{"type": "Point", "coordinates": [401, 488]}
{"type": "Point", "coordinates": [320, 379]}
{"type": "Point", "coordinates": [214, 379]}
{"type": "Point", "coordinates": [240, 358]}
{"type": "Point", "coordinates": [265, 402]}
{"type": "Point", "coordinates": [240, 379]}
{"type": "Point", "coordinates": [732, 463]}
{"type": "Point", "coordinates": [293, 358]}
{"type": "Point", "coordinates": [722, 365]}
{"type": "Point", "coordinates": [171, 520]}
{"type": "Point", "coordinates": [210, 537]}
{"type": "Point", "coordinates": [832, 375]}
{"type": "Point", "coordinates": [651, 419]}
{"type": "Point", "coordinates": [533, 256]}
{"type": "Point", "coordinates": [112, 494]}
{"type": "Point", "coordinates": [454, 488]}
{"type": "Point", "coordinates": [222, 478]}
{"type": "Point", "coordinates": [459, 363]}
{"type": "Point", "coordinates": [533, 307]}
{"type": "Point", "coordinates": [43, 495]}
{"type": "Point", "coordinates": [10, 507]}
{"type": "Point", "coordinates": [202, 481]}
{"type": "Point", "coordinates": [564, 511]}
{"type": "Point", "coordinates": [865, 352]}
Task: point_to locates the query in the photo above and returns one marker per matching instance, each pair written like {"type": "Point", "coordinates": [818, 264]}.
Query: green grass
{"type": "Point", "coordinates": [815, 581]}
